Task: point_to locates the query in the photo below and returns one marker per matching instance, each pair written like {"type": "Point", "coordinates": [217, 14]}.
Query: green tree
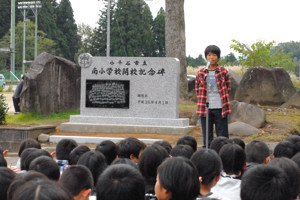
{"type": "Point", "coordinates": [69, 41]}
{"type": "Point", "coordinates": [228, 60]}
{"type": "Point", "coordinates": [131, 29]}
{"type": "Point", "coordinates": [196, 62]}
{"type": "Point", "coordinates": [86, 33]}
{"type": "Point", "coordinates": [159, 34]}
{"type": "Point", "coordinates": [44, 44]}
{"type": "Point", "coordinates": [261, 54]}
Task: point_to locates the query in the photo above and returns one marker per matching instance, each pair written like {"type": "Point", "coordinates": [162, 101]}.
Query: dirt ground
{"type": "Point", "coordinates": [280, 123]}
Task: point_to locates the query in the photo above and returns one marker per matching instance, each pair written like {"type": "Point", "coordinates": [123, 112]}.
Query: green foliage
{"type": "Point", "coordinates": [3, 109]}
{"type": "Point", "coordinates": [68, 41]}
{"type": "Point", "coordinates": [159, 34]}
{"type": "Point", "coordinates": [196, 62]}
{"type": "Point", "coordinates": [44, 44]}
{"type": "Point", "coordinates": [261, 54]}
{"type": "Point", "coordinates": [229, 60]}
{"type": "Point", "coordinates": [36, 118]}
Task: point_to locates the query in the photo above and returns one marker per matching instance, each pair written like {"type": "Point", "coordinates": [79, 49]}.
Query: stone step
{"type": "Point", "coordinates": [95, 140]}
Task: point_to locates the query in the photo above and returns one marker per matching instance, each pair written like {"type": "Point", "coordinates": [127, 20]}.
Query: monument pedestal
{"type": "Point", "coordinates": [80, 123]}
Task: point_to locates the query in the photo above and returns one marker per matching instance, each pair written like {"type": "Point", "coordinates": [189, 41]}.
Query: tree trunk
{"type": "Point", "coordinates": [175, 39]}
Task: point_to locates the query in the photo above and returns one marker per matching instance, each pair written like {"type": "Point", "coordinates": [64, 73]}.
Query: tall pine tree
{"type": "Point", "coordinates": [131, 29]}
{"type": "Point", "coordinates": [69, 41]}
{"type": "Point", "coordinates": [159, 34]}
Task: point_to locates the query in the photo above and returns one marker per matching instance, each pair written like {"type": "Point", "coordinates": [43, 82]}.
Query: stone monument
{"type": "Point", "coordinates": [128, 94]}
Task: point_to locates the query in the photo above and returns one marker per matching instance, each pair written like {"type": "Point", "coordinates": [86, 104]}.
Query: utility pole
{"type": "Point", "coordinates": [24, 7]}
{"type": "Point", "coordinates": [108, 30]}
{"type": "Point", "coordinates": [12, 39]}
{"type": "Point", "coordinates": [35, 9]}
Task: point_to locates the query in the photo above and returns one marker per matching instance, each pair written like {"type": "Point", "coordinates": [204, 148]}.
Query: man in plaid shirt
{"type": "Point", "coordinates": [213, 84]}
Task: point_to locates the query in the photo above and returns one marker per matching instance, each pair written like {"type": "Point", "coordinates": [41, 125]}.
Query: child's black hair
{"type": "Point", "coordinates": [41, 189]}
{"type": "Point", "coordinates": [126, 161]}
{"type": "Point", "coordinates": [130, 146]}
{"type": "Point", "coordinates": [233, 158]}
{"type": "Point", "coordinates": [64, 147]}
{"type": "Point", "coordinates": [151, 158]}
{"type": "Point", "coordinates": [164, 144]}
{"type": "Point", "coordinates": [284, 149]}
{"type": "Point", "coordinates": [182, 150]}
{"type": "Point", "coordinates": [257, 151]}
{"type": "Point", "coordinates": [188, 140]}
{"type": "Point", "coordinates": [76, 153]}
{"type": "Point", "coordinates": [295, 140]}
{"type": "Point", "coordinates": [293, 172]}
{"type": "Point", "coordinates": [265, 182]}
{"type": "Point", "coordinates": [120, 181]}
{"type": "Point", "coordinates": [109, 150]}
{"type": "Point", "coordinates": [213, 49]}
{"type": "Point", "coordinates": [3, 162]}
{"type": "Point", "coordinates": [32, 154]}
{"type": "Point", "coordinates": [94, 161]}
{"type": "Point", "coordinates": [47, 166]}
{"type": "Point", "coordinates": [77, 178]}
{"type": "Point", "coordinates": [218, 143]}
{"type": "Point", "coordinates": [238, 141]}
{"type": "Point", "coordinates": [208, 164]}
{"type": "Point", "coordinates": [179, 176]}
{"type": "Point", "coordinates": [296, 158]}
{"type": "Point", "coordinates": [6, 178]}
{"type": "Point", "coordinates": [28, 143]}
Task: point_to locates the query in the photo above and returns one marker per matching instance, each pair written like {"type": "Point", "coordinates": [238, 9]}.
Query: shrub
{"type": "Point", "coordinates": [3, 109]}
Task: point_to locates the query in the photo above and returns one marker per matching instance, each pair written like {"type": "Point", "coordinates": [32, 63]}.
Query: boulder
{"type": "Point", "coordinates": [265, 86]}
{"type": "Point", "coordinates": [43, 138]}
{"type": "Point", "coordinates": [293, 102]}
{"type": "Point", "coordinates": [241, 129]}
{"type": "Point", "coordinates": [51, 85]}
{"type": "Point", "coordinates": [247, 113]}
{"type": "Point", "coordinates": [235, 81]}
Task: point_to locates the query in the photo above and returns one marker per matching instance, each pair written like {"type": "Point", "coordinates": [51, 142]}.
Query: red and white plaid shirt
{"type": "Point", "coordinates": [223, 83]}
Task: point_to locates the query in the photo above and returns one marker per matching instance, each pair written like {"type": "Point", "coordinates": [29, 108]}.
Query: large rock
{"type": "Point", "coordinates": [235, 82]}
{"type": "Point", "coordinates": [51, 85]}
{"type": "Point", "coordinates": [293, 102]}
{"type": "Point", "coordinates": [247, 113]}
{"type": "Point", "coordinates": [265, 86]}
{"type": "Point", "coordinates": [241, 129]}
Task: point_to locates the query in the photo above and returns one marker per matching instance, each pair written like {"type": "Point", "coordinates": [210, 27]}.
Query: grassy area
{"type": "Point", "coordinates": [38, 119]}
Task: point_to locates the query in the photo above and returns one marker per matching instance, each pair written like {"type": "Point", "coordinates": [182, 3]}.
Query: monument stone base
{"type": "Point", "coordinates": [79, 123]}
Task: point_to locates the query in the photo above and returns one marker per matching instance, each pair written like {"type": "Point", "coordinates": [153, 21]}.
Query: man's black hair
{"type": "Point", "coordinates": [77, 178]}
{"type": "Point", "coordinates": [188, 140]}
{"type": "Point", "coordinates": [6, 178]}
{"type": "Point", "coordinates": [265, 182]}
{"type": "Point", "coordinates": [284, 149]}
{"type": "Point", "coordinates": [120, 181]}
{"type": "Point", "coordinates": [76, 153]}
{"type": "Point", "coordinates": [179, 176]}
{"type": "Point", "coordinates": [293, 172]}
{"type": "Point", "coordinates": [94, 161]}
{"type": "Point", "coordinates": [233, 158]}
{"type": "Point", "coordinates": [218, 143]}
{"type": "Point", "coordinates": [64, 147]}
{"type": "Point", "coordinates": [151, 158]}
{"type": "Point", "coordinates": [109, 150]}
{"type": "Point", "coordinates": [257, 151]}
{"type": "Point", "coordinates": [164, 144]}
{"type": "Point", "coordinates": [238, 141]}
{"type": "Point", "coordinates": [41, 189]}
{"type": "Point", "coordinates": [47, 166]}
{"type": "Point", "coordinates": [182, 150]}
{"type": "Point", "coordinates": [213, 49]}
{"type": "Point", "coordinates": [28, 143]}
{"type": "Point", "coordinates": [130, 146]}
{"type": "Point", "coordinates": [208, 164]}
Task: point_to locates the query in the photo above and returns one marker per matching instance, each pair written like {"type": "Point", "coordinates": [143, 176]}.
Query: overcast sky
{"type": "Point", "coordinates": [219, 21]}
